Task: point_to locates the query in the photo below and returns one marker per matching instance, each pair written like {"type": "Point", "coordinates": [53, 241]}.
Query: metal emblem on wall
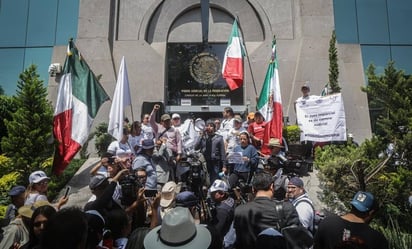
{"type": "Point", "coordinates": [205, 68]}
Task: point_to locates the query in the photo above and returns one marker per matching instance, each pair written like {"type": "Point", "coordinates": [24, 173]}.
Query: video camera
{"type": "Point", "coordinates": [130, 185]}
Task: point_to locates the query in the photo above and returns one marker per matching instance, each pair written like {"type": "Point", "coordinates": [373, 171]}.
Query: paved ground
{"type": "Point", "coordinates": [80, 191]}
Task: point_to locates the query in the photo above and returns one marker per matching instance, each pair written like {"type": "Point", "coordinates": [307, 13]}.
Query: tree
{"type": "Point", "coordinates": [30, 126]}
{"type": "Point", "coordinates": [333, 65]}
{"type": "Point", "coordinates": [375, 166]}
{"type": "Point", "coordinates": [1, 90]}
{"type": "Point", "coordinates": [7, 107]}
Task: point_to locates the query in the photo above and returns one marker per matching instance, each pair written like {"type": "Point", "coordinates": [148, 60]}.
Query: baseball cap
{"type": "Point", "coordinates": [296, 181]}
{"type": "Point", "coordinates": [219, 185]}
{"type": "Point", "coordinates": [175, 115]}
{"type": "Point", "coordinates": [96, 181]}
{"type": "Point", "coordinates": [306, 85]}
{"type": "Point", "coordinates": [363, 201]}
{"type": "Point", "coordinates": [147, 144]}
{"type": "Point", "coordinates": [168, 194]}
{"type": "Point", "coordinates": [238, 119]}
{"type": "Point", "coordinates": [186, 199]}
{"type": "Point", "coordinates": [165, 117]}
{"type": "Point", "coordinates": [17, 190]}
{"type": "Point", "coordinates": [37, 176]}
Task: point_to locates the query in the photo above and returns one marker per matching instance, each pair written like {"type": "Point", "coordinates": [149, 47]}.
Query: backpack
{"type": "Point", "coordinates": [296, 237]}
{"type": "Point", "coordinates": [317, 215]}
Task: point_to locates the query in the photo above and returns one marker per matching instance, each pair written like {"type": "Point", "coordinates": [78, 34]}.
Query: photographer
{"type": "Point", "coordinates": [277, 158]}
{"type": "Point", "coordinates": [103, 189]}
{"type": "Point", "coordinates": [224, 208]}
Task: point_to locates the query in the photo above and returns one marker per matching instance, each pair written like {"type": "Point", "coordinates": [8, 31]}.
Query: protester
{"type": "Point", "coordinates": [120, 226]}
{"type": "Point", "coordinates": [335, 230]}
{"type": "Point", "coordinates": [305, 89]}
{"type": "Point", "coordinates": [178, 230]}
{"type": "Point", "coordinates": [257, 132]}
{"type": "Point", "coordinates": [147, 128]}
{"type": "Point", "coordinates": [297, 195]}
{"type": "Point", "coordinates": [67, 229]}
{"type": "Point", "coordinates": [121, 148]}
{"type": "Point", "coordinates": [16, 234]}
{"type": "Point", "coordinates": [249, 119]}
{"type": "Point", "coordinates": [37, 190]}
{"type": "Point", "coordinates": [261, 213]}
{"type": "Point", "coordinates": [167, 199]}
{"type": "Point", "coordinates": [160, 158]}
{"type": "Point", "coordinates": [39, 221]}
{"type": "Point", "coordinates": [213, 149]}
{"type": "Point", "coordinates": [16, 194]}
{"type": "Point", "coordinates": [135, 137]}
{"type": "Point", "coordinates": [144, 160]}
{"type": "Point", "coordinates": [249, 159]}
{"type": "Point", "coordinates": [233, 137]}
{"type": "Point", "coordinates": [176, 121]}
{"type": "Point", "coordinates": [166, 130]}
{"type": "Point", "coordinates": [227, 122]}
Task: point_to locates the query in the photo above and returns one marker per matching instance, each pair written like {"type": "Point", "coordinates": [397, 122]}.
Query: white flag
{"type": "Point", "coordinates": [121, 98]}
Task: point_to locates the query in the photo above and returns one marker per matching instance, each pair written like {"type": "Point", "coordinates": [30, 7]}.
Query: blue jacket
{"type": "Point", "coordinates": [250, 152]}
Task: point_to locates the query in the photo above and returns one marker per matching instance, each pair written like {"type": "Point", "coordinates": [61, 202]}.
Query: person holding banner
{"type": "Point", "coordinates": [305, 92]}
{"type": "Point", "coordinates": [245, 158]}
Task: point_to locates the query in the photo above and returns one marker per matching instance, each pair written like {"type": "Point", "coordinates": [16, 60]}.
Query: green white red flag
{"type": "Point", "coordinates": [232, 69]}
{"type": "Point", "coordinates": [79, 98]}
{"type": "Point", "coordinates": [270, 101]}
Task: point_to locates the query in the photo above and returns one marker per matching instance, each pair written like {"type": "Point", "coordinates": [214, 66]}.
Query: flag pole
{"type": "Point", "coordinates": [131, 109]}
{"type": "Point", "coordinates": [247, 55]}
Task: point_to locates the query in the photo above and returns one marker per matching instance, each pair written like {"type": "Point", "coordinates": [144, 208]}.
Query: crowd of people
{"type": "Point", "coordinates": [146, 194]}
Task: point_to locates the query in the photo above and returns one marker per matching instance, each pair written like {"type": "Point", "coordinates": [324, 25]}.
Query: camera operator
{"type": "Point", "coordinates": [109, 166]}
{"type": "Point", "coordinates": [249, 159]}
{"type": "Point", "coordinates": [277, 158]}
{"type": "Point", "coordinates": [223, 211]}
{"type": "Point", "coordinates": [103, 188]}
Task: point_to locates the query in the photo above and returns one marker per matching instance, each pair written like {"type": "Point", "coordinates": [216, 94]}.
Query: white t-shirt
{"type": "Point", "coordinates": [33, 197]}
{"type": "Point", "coordinates": [119, 149]}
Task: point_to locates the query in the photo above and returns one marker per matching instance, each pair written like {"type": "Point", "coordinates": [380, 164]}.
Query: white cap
{"type": "Point", "coordinates": [175, 115]}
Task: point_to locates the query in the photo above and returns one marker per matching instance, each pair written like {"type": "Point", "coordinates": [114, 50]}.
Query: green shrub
{"type": "Point", "coordinates": [396, 238]}
{"type": "Point", "coordinates": [292, 133]}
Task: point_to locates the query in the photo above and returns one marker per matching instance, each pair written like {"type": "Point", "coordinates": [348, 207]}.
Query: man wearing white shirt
{"type": "Point", "coordinates": [227, 122]}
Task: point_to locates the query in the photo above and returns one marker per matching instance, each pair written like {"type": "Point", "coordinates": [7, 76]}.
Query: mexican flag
{"type": "Point", "coordinates": [232, 69]}
{"type": "Point", "coordinates": [79, 98]}
{"type": "Point", "coordinates": [270, 101]}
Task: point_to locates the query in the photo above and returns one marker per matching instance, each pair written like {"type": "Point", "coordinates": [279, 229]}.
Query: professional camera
{"type": "Point", "coordinates": [130, 185]}
{"type": "Point", "coordinates": [194, 177]}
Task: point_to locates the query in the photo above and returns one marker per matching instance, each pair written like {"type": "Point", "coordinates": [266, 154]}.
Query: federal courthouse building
{"type": "Point", "coordinates": [165, 41]}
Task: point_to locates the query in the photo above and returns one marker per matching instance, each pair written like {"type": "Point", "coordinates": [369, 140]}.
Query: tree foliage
{"type": "Point", "coordinates": [333, 65]}
{"type": "Point", "coordinates": [7, 107]}
{"type": "Point", "coordinates": [381, 165]}
{"type": "Point", "coordinates": [29, 129]}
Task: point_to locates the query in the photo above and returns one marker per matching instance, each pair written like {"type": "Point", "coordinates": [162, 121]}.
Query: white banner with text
{"type": "Point", "coordinates": [322, 118]}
